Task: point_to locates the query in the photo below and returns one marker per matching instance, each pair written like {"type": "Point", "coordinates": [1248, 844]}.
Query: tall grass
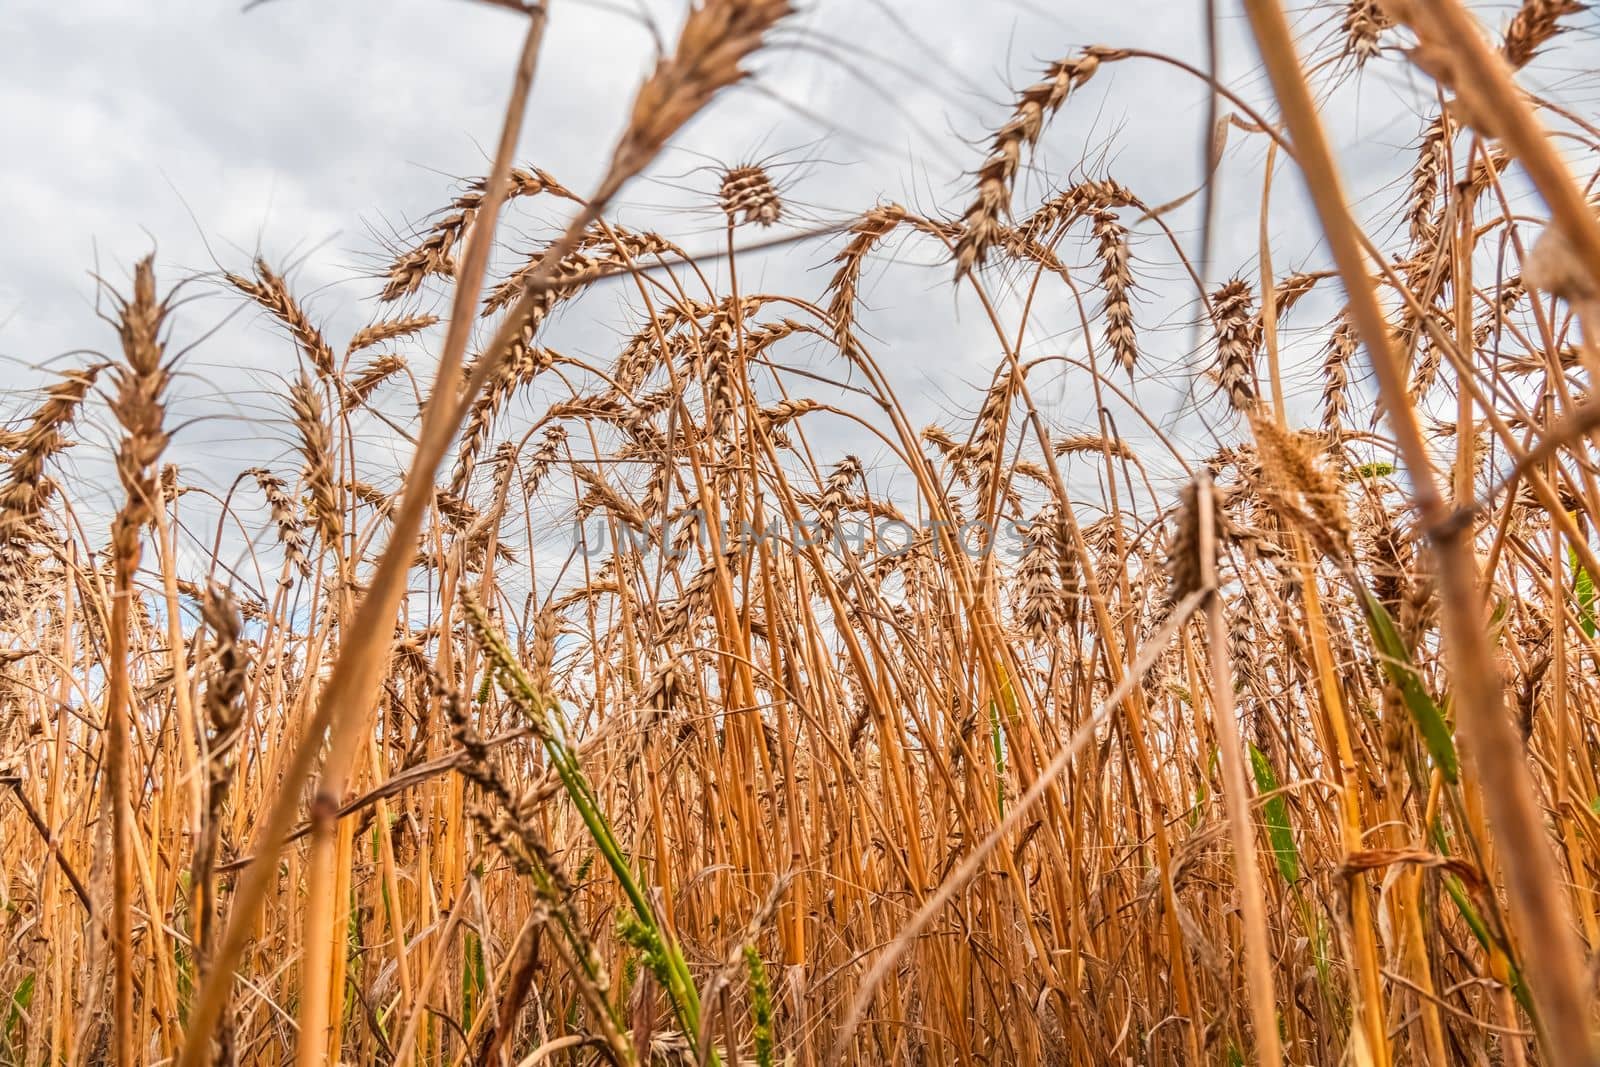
{"type": "Point", "coordinates": [792, 758]}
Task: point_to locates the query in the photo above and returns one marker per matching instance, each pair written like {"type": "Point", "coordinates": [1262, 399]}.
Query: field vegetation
{"type": "Point", "coordinates": [1019, 743]}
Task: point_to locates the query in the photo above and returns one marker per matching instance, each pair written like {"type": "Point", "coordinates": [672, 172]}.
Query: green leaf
{"type": "Point", "coordinates": [760, 1006]}
{"type": "Point", "coordinates": [1323, 956]}
{"type": "Point", "coordinates": [1475, 923]}
{"type": "Point", "coordinates": [544, 714]}
{"type": "Point", "coordinates": [1276, 811]}
{"type": "Point", "coordinates": [21, 999]}
{"type": "Point", "coordinates": [1582, 592]}
{"type": "Point", "coordinates": [1498, 617]}
{"type": "Point", "coordinates": [1403, 673]}
{"type": "Point", "coordinates": [998, 743]}
{"type": "Point", "coordinates": [997, 727]}
{"type": "Point", "coordinates": [1373, 470]}
{"type": "Point", "coordinates": [474, 979]}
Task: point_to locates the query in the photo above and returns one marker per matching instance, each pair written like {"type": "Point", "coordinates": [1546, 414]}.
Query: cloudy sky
{"type": "Point", "coordinates": [321, 134]}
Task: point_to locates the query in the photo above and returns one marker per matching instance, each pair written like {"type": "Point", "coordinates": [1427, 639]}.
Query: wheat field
{"type": "Point", "coordinates": [627, 719]}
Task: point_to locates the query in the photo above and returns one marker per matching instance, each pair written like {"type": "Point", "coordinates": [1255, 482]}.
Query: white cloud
{"type": "Point", "coordinates": [314, 131]}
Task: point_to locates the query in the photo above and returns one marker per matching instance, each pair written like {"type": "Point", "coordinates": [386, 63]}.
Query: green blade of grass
{"type": "Point", "coordinates": [1397, 664]}
{"type": "Point", "coordinates": [1582, 592]}
{"type": "Point", "coordinates": [1276, 812]}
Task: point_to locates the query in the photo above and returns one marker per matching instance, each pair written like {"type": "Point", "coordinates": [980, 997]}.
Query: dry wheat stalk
{"type": "Point", "coordinates": [865, 235]}
{"type": "Point", "coordinates": [316, 452]}
{"type": "Point", "coordinates": [433, 256]}
{"type": "Point", "coordinates": [285, 518]}
{"type": "Point", "coordinates": [983, 221]}
{"type": "Point", "coordinates": [269, 290]}
{"type": "Point", "coordinates": [224, 714]}
{"type": "Point", "coordinates": [1425, 177]}
{"type": "Point", "coordinates": [1238, 340]}
{"type": "Point", "coordinates": [1075, 202]}
{"type": "Point", "coordinates": [377, 333]}
{"type": "Point", "coordinates": [716, 39]}
{"type": "Point", "coordinates": [1074, 443]}
{"type": "Point", "coordinates": [1288, 291]}
{"type": "Point", "coordinates": [1534, 25]}
{"type": "Point", "coordinates": [1040, 608]}
{"type": "Point", "coordinates": [1363, 27]}
{"type": "Point", "coordinates": [1117, 279]}
{"type": "Point", "coordinates": [141, 382]}
{"type": "Point", "coordinates": [1299, 484]}
{"type": "Point", "coordinates": [23, 491]}
{"type": "Point", "coordinates": [748, 192]}
{"type": "Point", "coordinates": [518, 370]}
{"type": "Point", "coordinates": [378, 370]}
{"type": "Point", "coordinates": [1340, 351]}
